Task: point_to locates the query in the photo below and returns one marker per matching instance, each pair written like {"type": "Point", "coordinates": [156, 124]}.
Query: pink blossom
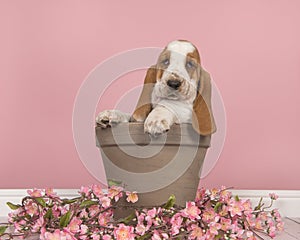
{"type": "Point", "coordinates": [165, 235]}
{"type": "Point", "coordinates": [176, 222]}
{"type": "Point", "coordinates": [83, 237]}
{"type": "Point", "coordinates": [31, 208]}
{"type": "Point", "coordinates": [214, 227]}
{"type": "Point", "coordinates": [252, 238]}
{"type": "Point", "coordinates": [115, 192]}
{"type": "Point", "coordinates": [273, 196]}
{"type": "Point", "coordinates": [224, 211]}
{"type": "Point", "coordinates": [270, 223]}
{"type": "Point", "coordinates": [200, 194]}
{"type": "Point", "coordinates": [83, 229]}
{"type": "Point", "coordinates": [191, 211]}
{"type": "Point", "coordinates": [209, 235]}
{"type": "Point", "coordinates": [258, 223]}
{"type": "Point", "coordinates": [85, 190]}
{"type": "Point", "coordinates": [156, 235]}
{"type": "Point", "coordinates": [106, 237]}
{"type": "Point", "coordinates": [83, 214]}
{"type": "Point", "coordinates": [149, 221]}
{"type": "Point", "coordinates": [132, 197]}
{"type": "Point", "coordinates": [263, 216]}
{"type": "Point", "coordinates": [249, 234]}
{"type": "Point", "coordinates": [225, 195]}
{"type": "Point", "coordinates": [225, 224]}
{"type": "Point", "coordinates": [56, 235]}
{"type": "Point", "coordinates": [280, 226]}
{"type": "Point", "coordinates": [104, 218]}
{"type": "Point", "coordinates": [124, 232]}
{"type": "Point", "coordinates": [105, 201]}
{"type": "Point", "coordinates": [74, 225]}
{"type": "Point", "coordinates": [93, 210]}
{"type": "Point", "coordinates": [95, 236]}
{"type": "Point", "coordinates": [140, 229]}
{"type": "Point", "coordinates": [237, 232]}
{"type": "Point", "coordinates": [140, 217]}
{"type": "Point", "coordinates": [35, 192]}
{"type": "Point", "coordinates": [50, 193]}
{"type": "Point", "coordinates": [236, 208]}
{"type": "Point", "coordinates": [152, 213]}
{"type": "Point", "coordinates": [38, 224]}
{"type": "Point", "coordinates": [275, 213]}
{"type": "Point", "coordinates": [64, 209]}
{"type": "Point", "coordinates": [197, 233]}
{"type": "Point", "coordinates": [67, 234]}
{"type": "Point", "coordinates": [19, 225]}
{"type": "Point", "coordinates": [272, 231]}
{"type": "Point", "coordinates": [209, 215]}
{"type": "Point", "coordinates": [56, 211]}
{"type": "Point", "coordinates": [246, 205]}
{"type": "Point", "coordinates": [97, 190]}
{"type": "Point", "coordinates": [214, 193]}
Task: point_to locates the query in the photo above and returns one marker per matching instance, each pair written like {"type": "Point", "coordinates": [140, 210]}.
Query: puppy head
{"type": "Point", "coordinates": [178, 75]}
{"type": "Point", "coordinates": [178, 72]}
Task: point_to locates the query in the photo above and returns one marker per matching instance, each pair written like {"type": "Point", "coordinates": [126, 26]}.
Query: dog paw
{"type": "Point", "coordinates": [108, 118]}
{"type": "Point", "coordinates": [156, 127]}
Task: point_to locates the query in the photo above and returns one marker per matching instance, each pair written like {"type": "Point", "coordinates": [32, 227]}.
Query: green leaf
{"type": "Point", "coordinates": [41, 201]}
{"type": "Point", "coordinates": [87, 203]}
{"type": "Point", "coordinates": [112, 182]}
{"type": "Point", "coordinates": [13, 206]}
{"type": "Point", "coordinates": [65, 219]}
{"type": "Point", "coordinates": [170, 203]}
{"type": "Point", "coordinates": [146, 236]}
{"type": "Point", "coordinates": [70, 201]}
{"type": "Point", "coordinates": [237, 198]}
{"type": "Point", "coordinates": [3, 229]}
{"type": "Point", "coordinates": [218, 206]}
{"type": "Point", "coordinates": [48, 214]}
{"type": "Point", "coordinates": [127, 219]}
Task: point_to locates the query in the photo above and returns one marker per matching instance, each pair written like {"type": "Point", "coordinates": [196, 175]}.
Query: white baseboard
{"type": "Point", "coordinates": [288, 202]}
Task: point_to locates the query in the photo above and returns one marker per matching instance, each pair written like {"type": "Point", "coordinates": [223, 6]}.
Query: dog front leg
{"type": "Point", "coordinates": [159, 121]}
{"type": "Point", "coordinates": [109, 118]}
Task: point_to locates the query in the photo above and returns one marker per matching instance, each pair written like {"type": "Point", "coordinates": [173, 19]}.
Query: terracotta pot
{"type": "Point", "coordinates": [154, 167]}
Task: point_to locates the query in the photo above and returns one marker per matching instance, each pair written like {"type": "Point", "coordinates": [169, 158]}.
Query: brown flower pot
{"type": "Point", "coordinates": [154, 167]}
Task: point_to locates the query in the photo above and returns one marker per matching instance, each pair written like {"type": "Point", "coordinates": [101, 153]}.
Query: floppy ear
{"type": "Point", "coordinates": [203, 119]}
{"type": "Point", "coordinates": [144, 105]}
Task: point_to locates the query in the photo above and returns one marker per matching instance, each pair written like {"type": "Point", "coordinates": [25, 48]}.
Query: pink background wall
{"type": "Point", "coordinates": [251, 48]}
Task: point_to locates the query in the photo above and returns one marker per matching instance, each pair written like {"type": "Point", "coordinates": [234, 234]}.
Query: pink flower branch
{"type": "Point", "coordinates": [214, 214]}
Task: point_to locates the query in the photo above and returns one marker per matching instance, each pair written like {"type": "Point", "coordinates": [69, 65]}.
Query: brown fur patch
{"type": "Point", "coordinates": [194, 55]}
{"type": "Point", "coordinates": [194, 58]}
{"type": "Point", "coordinates": [159, 73]}
{"type": "Point", "coordinates": [144, 105]}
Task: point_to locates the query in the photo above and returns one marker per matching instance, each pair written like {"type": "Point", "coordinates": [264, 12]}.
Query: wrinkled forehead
{"type": "Point", "coordinates": [184, 48]}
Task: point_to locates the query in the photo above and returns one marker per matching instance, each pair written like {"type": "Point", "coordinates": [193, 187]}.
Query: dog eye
{"type": "Point", "coordinates": [190, 64]}
{"type": "Point", "coordinates": [166, 62]}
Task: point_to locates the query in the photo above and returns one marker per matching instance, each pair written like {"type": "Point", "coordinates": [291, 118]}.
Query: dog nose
{"type": "Point", "coordinates": [175, 84]}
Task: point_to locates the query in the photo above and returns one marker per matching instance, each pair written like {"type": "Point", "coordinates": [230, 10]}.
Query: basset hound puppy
{"type": "Point", "coordinates": [176, 90]}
